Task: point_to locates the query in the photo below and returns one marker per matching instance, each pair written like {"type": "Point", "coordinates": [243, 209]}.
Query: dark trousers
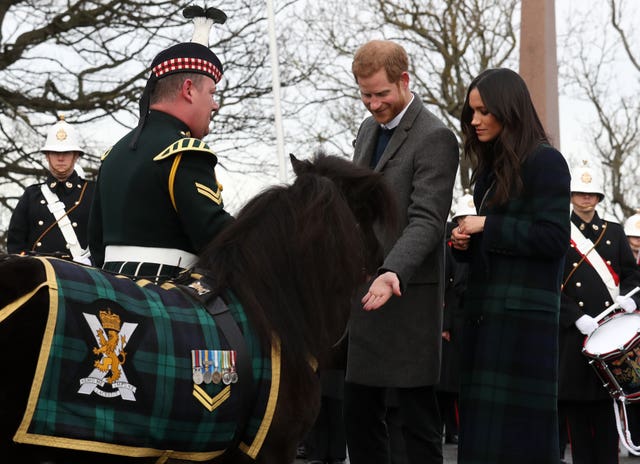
{"type": "Point", "coordinates": [563, 429]}
{"type": "Point", "coordinates": [367, 434]}
{"type": "Point", "coordinates": [326, 440]}
{"type": "Point", "coordinates": [448, 403]}
{"type": "Point", "coordinates": [397, 448]}
{"type": "Point", "coordinates": [592, 431]}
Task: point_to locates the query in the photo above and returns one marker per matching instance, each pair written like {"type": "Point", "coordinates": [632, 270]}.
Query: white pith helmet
{"type": "Point", "coordinates": [464, 206]}
{"type": "Point", "coordinates": [584, 179]}
{"type": "Point", "coordinates": [62, 137]}
{"type": "Point", "coordinates": [632, 225]}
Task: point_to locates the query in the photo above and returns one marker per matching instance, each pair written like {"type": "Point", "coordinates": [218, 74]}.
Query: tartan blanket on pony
{"type": "Point", "coordinates": [121, 369]}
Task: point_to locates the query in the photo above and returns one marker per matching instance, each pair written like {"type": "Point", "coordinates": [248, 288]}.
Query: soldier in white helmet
{"type": "Point", "coordinates": [51, 218]}
{"type": "Point", "coordinates": [632, 231]}
{"type": "Point", "coordinates": [599, 271]}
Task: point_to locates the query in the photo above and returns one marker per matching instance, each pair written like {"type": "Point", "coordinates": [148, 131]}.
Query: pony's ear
{"type": "Point", "coordinates": [298, 166]}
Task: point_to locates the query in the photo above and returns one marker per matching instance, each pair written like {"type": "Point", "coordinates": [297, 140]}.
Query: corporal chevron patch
{"type": "Point", "coordinates": [184, 144]}
{"type": "Point", "coordinates": [211, 403]}
{"type": "Point", "coordinates": [205, 190]}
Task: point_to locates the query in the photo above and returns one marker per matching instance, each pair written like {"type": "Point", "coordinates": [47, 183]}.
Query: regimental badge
{"type": "Point", "coordinates": [61, 134]}
{"type": "Point", "coordinates": [586, 178]}
{"type": "Point", "coordinates": [108, 378]}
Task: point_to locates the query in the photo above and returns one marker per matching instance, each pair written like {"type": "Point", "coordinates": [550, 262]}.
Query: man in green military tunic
{"type": "Point", "coordinates": [158, 201]}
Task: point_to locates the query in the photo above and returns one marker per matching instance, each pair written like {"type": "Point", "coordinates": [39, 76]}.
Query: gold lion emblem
{"type": "Point", "coordinates": [108, 337]}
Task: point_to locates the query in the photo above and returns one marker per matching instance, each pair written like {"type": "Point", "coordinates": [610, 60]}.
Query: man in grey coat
{"type": "Point", "coordinates": [394, 337]}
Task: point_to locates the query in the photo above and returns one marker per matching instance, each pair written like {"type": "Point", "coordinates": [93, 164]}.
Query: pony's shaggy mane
{"type": "Point", "coordinates": [292, 278]}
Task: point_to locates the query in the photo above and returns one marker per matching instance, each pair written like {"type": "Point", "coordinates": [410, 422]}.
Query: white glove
{"type": "Point", "coordinates": [586, 324]}
{"type": "Point", "coordinates": [627, 303]}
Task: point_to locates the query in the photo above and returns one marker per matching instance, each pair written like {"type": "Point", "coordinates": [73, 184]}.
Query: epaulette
{"type": "Point", "coordinates": [105, 154]}
{"type": "Point", "coordinates": [184, 144]}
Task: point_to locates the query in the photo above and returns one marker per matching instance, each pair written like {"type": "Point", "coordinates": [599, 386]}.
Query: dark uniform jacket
{"type": "Point", "coordinates": [585, 293]}
{"type": "Point", "coordinates": [163, 194]}
{"type": "Point", "coordinates": [32, 224]}
{"type": "Point", "coordinates": [453, 320]}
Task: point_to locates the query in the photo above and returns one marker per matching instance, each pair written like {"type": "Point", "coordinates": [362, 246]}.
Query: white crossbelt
{"type": "Point", "coordinates": [56, 207]}
{"type": "Point", "coordinates": [156, 255]}
{"type": "Point", "coordinates": [586, 248]}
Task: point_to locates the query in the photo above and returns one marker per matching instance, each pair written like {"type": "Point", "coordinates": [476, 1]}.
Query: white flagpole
{"type": "Point", "coordinates": [275, 78]}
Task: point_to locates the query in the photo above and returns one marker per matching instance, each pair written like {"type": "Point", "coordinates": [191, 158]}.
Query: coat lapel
{"type": "Point", "coordinates": [366, 136]}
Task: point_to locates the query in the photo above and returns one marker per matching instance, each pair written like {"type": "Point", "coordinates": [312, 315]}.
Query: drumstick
{"type": "Point", "coordinates": [615, 305]}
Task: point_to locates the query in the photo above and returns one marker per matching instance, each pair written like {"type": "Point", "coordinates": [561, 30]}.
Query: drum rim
{"type": "Point", "coordinates": [621, 348]}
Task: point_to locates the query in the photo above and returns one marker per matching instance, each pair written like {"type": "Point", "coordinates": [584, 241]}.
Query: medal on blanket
{"type": "Point", "coordinates": [216, 367]}
{"type": "Point", "coordinates": [197, 367]}
{"type": "Point", "coordinates": [207, 367]}
{"type": "Point", "coordinates": [226, 376]}
{"type": "Point", "coordinates": [233, 374]}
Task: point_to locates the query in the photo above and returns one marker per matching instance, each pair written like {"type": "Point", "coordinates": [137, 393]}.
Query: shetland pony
{"type": "Point", "coordinates": [290, 264]}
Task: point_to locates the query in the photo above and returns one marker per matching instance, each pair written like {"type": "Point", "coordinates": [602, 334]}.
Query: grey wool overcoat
{"type": "Point", "coordinates": [398, 345]}
{"type": "Point", "coordinates": [509, 370]}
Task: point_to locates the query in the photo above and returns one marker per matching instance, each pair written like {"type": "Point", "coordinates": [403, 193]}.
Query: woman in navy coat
{"type": "Point", "coordinates": [515, 247]}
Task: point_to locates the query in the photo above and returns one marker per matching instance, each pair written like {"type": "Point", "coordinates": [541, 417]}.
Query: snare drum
{"type": "Point", "coordinates": [614, 352]}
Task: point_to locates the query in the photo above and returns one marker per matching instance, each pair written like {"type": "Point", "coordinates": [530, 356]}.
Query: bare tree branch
{"type": "Point", "coordinates": [88, 59]}
{"type": "Point", "coordinates": [593, 70]}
